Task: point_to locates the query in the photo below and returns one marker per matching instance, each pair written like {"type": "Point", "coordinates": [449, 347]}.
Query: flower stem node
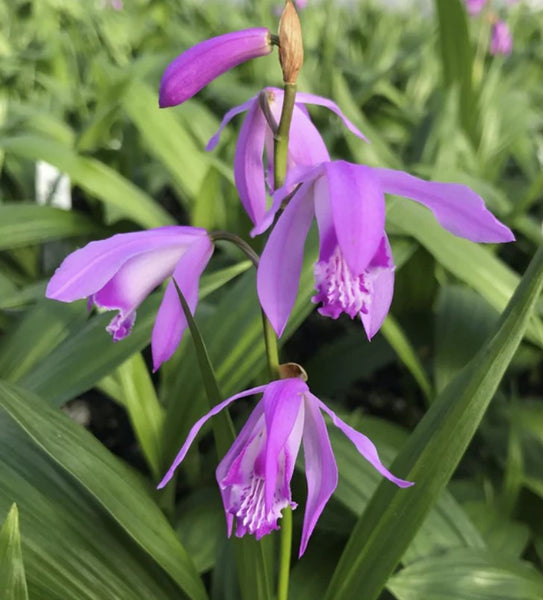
{"type": "Point", "coordinates": [291, 49]}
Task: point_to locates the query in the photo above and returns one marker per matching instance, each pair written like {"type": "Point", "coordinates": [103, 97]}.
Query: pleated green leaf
{"type": "Point", "coordinates": [145, 411]}
{"type": "Point", "coordinates": [12, 572]}
{"type": "Point", "coordinates": [468, 575]}
{"type": "Point", "coordinates": [93, 176]}
{"type": "Point", "coordinates": [446, 525]}
{"type": "Point", "coordinates": [431, 455]}
{"type": "Point", "coordinates": [25, 224]}
{"type": "Point", "coordinates": [28, 341]}
{"type": "Point", "coordinates": [105, 479]}
{"type": "Point", "coordinates": [73, 549]}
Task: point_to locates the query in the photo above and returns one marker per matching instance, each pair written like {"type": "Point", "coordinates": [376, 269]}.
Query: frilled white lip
{"type": "Point", "coordinates": [348, 203]}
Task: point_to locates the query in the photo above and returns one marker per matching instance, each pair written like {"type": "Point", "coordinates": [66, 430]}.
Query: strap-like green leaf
{"type": "Point", "coordinates": [24, 224]}
{"type": "Point", "coordinates": [12, 572]}
{"type": "Point", "coordinates": [145, 412]}
{"type": "Point", "coordinates": [433, 451]}
{"type": "Point", "coordinates": [467, 574]}
{"type": "Point", "coordinates": [107, 480]}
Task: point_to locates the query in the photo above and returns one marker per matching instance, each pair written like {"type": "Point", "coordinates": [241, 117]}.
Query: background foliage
{"type": "Point", "coordinates": [79, 91]}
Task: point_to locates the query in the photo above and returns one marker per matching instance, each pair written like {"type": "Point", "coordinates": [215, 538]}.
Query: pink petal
{"type": "Point", "coordinates": [306, 146]}
{"type": "Point", "coordinates": [456, 207]}
{"type": "Point", "coordinates": [227, 118]}
{"type": "Point", "coordinates": [87, 270]}
{"type": "Point", "coordinates": [358, 210]}
{"type": "Point", "coordinates": [282, 404]}
{"type": "Point", "coordinates": [320, 468]}
{"type": "Point", "coordinates": [362, 443]}
{"type": "Point", "coordinates": [132, 283]}
{"type": "Point", "coordinates": [319, 100]}
{"type": "Point", "coordinates": [278, 275]}
{"type": "Point", "coordinates": [302, 173]}
{"type": "Point", "coordinates": [199, 424]}
{"type": "Point", "coordinates": [248, 165]}
{"type": "Point", "coordinates": [238, 447]}
{"type": "Point", "coordinates": [199, 65]}
{"type": "Point", "coordinates": [171, 322]}
{"type": "Point", "coordinates": [380, 282]}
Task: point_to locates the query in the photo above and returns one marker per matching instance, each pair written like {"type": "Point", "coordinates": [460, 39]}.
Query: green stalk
{"type": "Point", "coordinates": [280, 170]}
{"type": "Point", "coordinates": [285, 552]}
{"type": "Point", "coordinates": [280, 149]}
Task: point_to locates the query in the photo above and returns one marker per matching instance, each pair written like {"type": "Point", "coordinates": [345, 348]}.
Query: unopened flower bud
{"type": "Point", "coordinates": [291, 50]}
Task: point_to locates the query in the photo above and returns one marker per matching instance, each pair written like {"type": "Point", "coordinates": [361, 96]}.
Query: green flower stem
{"type": "Point", "coordinates": [285, 552]}
{"type": "Point", "coordinates": [280, 150]}
{"type": "Point", "coordinates": [280, 170]}
{"type": "Point", "coordinates": [226, 236]}
{"type": "Point", "coordinates": [272, 350]}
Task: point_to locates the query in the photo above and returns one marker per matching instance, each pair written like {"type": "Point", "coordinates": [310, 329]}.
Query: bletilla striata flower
{"type": "Point", "coordinates": [355, 270]}
{"type": "Point", "coordinates": [256, 138]}
{"type": "Point", "coordinates": [120, 272]}
{"type": "Point", "coordinates": [197, 66]}
{"type": "Point", "coordinates": [254, 476]}
{"type": "Point", "coordinates": [501, 41]}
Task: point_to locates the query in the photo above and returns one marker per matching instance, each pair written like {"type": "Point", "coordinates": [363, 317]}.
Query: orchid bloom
{"type": "Point", "coordinates": [199, 65]}
{"type": "Point", "coordinates": [118, 273]}
{"type": "Point", "coordinates": [355, 270]}
{"type": "Point", "coordinates": [501, 41]}
{"type": "Point", "coordinates": [474, 7]}
{"type": "Point", "coordinates": [306, 146]}
{"type": "Point", "coordinates": [254, 476]}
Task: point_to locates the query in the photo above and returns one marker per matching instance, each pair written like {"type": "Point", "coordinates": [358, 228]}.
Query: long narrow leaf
{"type": "Point", "coordinates": [25, 224]}
{"type": "Point", "coordinates": [432, 453]}
{"type": "Point", "coordinates": [12, 572]}
{"type": "Point", "coordinates": [107, 480]}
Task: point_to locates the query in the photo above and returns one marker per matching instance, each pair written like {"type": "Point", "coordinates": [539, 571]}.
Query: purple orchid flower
{"type": "Point", "coordinates": [355, 270]}
{"type": "Point", "coordinates": [306, 146]}
{"type": "Point", "coordinates": [197, 66]}
{"type": "Point", "coordinates": [118, 273]}
{"type": "Point", "coordinates": [474, 7]}
{"type": "Point", "coordinates": [254, 476]}
{"type": "Point", "coordinates": [501, 41]}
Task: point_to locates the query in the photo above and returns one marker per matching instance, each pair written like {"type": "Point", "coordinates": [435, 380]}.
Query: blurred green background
{"type": "Point", "coordinates": [78, 92]}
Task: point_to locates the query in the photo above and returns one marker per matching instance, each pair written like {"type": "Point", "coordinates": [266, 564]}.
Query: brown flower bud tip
{"type": "Point", "coordinates": [291, 49]}
{"type": "Point", "coordinates": [291, 369]}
